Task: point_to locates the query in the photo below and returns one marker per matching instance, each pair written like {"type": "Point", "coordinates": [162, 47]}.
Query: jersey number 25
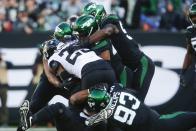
{"type": "Point", "coordinates": [71, 58]}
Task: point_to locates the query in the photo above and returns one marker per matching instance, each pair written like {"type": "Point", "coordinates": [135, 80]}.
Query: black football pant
{"type": "Point", "coordinates": [97, 72]}
{"type": "Point", "coordinates": [142, 76]}
{"type": "Point", "coordinates": [65, 119]}
{"type": "Point", "coordinates": [124, 74]}
{"type": "Point", "coordinates": [44, 92]}
{"type": "Point", "coordinates": [178, 121]}
{"type": "Point", "coordinates": [138, 75]}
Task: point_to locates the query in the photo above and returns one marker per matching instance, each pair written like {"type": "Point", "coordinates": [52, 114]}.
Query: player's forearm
{"type": "Point", "coordinates": [97, 36]}
{"type": "Point", "coordinates": [51, 77]}
{"type": "Point", "coordinates": [103, 33]}
{"type": "Point", "coordinates": [79, 97]}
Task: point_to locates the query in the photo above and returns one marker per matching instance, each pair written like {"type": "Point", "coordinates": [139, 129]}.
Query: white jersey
{"type": "Point", "coordinates": [73, 63]}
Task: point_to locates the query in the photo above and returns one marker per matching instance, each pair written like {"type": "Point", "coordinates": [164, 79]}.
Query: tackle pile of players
{"type": "Point", "coordinates": [94, 63]}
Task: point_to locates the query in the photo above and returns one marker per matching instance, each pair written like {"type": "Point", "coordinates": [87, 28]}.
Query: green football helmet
{"type": "Point", "coordinates": [98, 98]}
{"type": "Point", "coordinates": [98, 11]}
{"type": "Point", "coordinates": [192, 14]}
{"type": "Point", "coordinates": [85, 25]}
{"type": "Point", "coordinates": [63, 32]}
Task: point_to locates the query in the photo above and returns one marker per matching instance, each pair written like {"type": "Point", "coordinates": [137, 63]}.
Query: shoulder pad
{"type": "Point", "coordinates": [111, 18]}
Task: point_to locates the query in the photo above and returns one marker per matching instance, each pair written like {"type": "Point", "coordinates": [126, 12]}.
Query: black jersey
{"type": "Point", "coordinates": [191, 38]}
{"type": "Point", "coordinates": [189, 75]}
{"type": "Point", "coordinates": [125, 45]}
{"type": "Point", "coordinates": [128, 111]}
{"type": "Point", "coordinates": [124, 111]}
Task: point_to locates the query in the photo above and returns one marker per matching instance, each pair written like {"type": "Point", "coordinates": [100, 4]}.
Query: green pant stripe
{"type": "Point", "coordinates": [123, 77]}
{"type": "Point", "coordinates": [170, 116]}
{"type": "Point", "coordinates": [144, 62]}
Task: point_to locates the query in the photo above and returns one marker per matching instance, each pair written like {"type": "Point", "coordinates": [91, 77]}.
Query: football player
{"type": "Point", "coordinates": [65, 119]}
{"type": "Point", "coordinates": [120, 108]}
{"type": "Point", "coordinates": [188, 74]}
{"type": "Point", "coordinates": [102, 48]}
{"type": "Point", "coordinates": [112, 28]}
{"type": "Point", "coordinates": [126, 111]}
{"type": "Point", "coordinates": [48, 83]}
{"type": "Point", "coordinates": [56, 110]}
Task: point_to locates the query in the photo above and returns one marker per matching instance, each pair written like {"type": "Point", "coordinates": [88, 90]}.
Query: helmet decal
{"type": "Point", "coordinates": [85, 25]}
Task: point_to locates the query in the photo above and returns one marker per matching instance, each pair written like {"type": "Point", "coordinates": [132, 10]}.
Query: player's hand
{"type": "Point", "coordinates": [97, 118]}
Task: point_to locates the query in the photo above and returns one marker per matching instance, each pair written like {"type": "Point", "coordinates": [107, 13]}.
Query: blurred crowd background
{"type": "Point", "coordinates": [44, 15]}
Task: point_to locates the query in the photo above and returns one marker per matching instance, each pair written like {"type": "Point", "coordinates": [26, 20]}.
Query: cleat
{"type": "Point", "coordinates": [25, 118]}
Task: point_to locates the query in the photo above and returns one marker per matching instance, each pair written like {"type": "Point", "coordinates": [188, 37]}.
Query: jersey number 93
{"type": "Point", "coordinates": [124, 114]}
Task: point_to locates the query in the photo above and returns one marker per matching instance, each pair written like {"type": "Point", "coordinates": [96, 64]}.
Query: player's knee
{"type": "Point", "coordinates": [58, 108]}
{"type": "Point", "coordinates": [61, 108]}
